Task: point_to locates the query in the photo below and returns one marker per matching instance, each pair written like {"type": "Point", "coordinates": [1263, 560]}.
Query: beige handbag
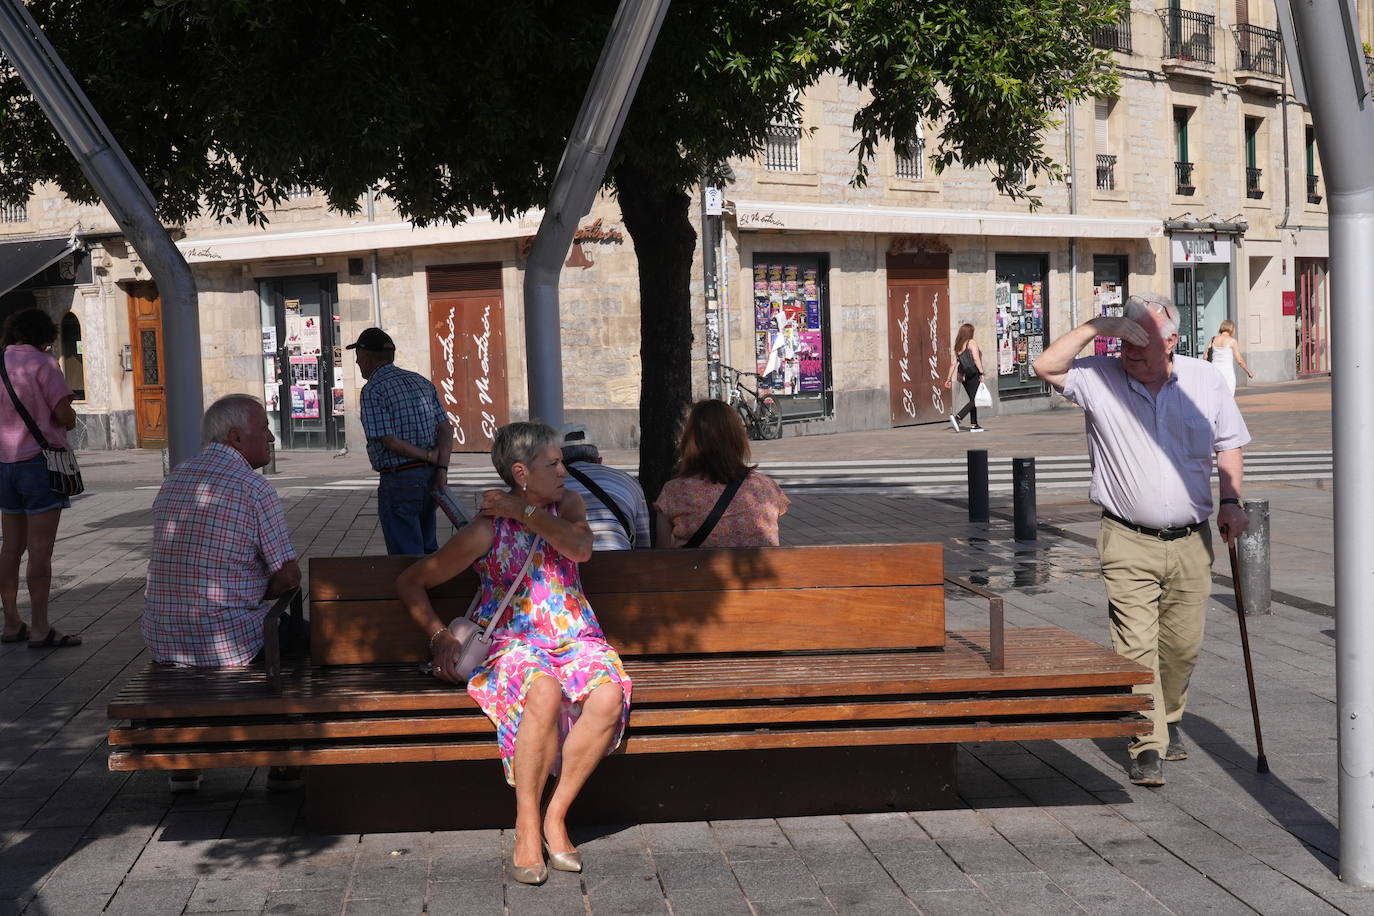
{"type": "Point", "coordinates": [475, 640]}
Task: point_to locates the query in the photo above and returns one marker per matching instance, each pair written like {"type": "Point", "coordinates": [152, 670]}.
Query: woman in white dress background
{"type": "Point", "coordinates": [1225, 354]}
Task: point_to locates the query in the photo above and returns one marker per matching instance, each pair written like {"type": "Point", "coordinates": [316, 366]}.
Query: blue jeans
{"type": "Point", "coordinates": [24, 488]}
{"type": "Point", "coordinates": [405, 509]}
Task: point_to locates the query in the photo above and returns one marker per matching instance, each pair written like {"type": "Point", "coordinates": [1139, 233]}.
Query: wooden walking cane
{"type": "Point", "coordinates": [1261, 762]}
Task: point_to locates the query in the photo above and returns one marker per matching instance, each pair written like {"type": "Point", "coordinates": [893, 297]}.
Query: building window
{"type": "Point", "coordinates": [1102, 144]}
{"type": "Point", "coordinates": [14, 213]}
{"type": "Point", "coordinates": [1252, 169]}
{"type": "Point", "coordinates": [1259, 49]}
{"type": "Point", "coordinates": [298, 191]}
{"type": "Point", "coordinates": [782, 146]}
{"type": "Point", "coordinates": [1183, 166]}
{"type": "Point", "coordinates": [1312, 180]}
{"type": "Point", "coordinates": [1115, 37]}
{"type": "Point", "coordinates": [914, 165]}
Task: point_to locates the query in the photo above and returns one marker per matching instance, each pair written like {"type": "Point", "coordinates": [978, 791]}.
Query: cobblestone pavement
{"type": "Point", "coordinates": [1043, 827]}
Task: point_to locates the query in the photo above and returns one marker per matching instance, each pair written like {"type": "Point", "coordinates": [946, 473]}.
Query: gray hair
{"type": "Point", "coordinates": [233, 411]}
{"type": "Point", "coordinates": [520, 442]}
{"type": "Point", "coordinates": [1142, 303]}
{"type": "Point", "coordinates": [573, 453]}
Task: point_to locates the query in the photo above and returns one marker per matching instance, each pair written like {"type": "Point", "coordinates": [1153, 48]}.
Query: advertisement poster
{"type": "Point", "coordinates": [310, 335]}
{"type": "Point", "coordinates": [788, 339]}
{"type": "Point", "coordinates": [1107, 303]}
{"type": "Point", "coordinates": [305, 389]}
{"type": "Point", "coordinates": [338, 401]}
{"type": "Point", "coordinates": [269, 340]}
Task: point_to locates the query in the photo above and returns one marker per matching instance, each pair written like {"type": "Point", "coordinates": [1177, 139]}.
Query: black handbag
{"type": "Point", "coordinates": [64, 477]}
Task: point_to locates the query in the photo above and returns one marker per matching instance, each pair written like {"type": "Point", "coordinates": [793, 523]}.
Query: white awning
{"type": "Point", "coordinates": [20, 261]}
{"type": "Point", "coordinates": [360, 236]}
{"type": "Point", "coordinates": [753, 216]}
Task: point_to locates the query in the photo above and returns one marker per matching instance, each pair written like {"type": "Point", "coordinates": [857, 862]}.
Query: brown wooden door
{"type": "Point", "coordinates": [918, 337]}
{"type": "Point", "coordinates": [467, 351]}
{"type": "Point", "coordinates": [145, 338]}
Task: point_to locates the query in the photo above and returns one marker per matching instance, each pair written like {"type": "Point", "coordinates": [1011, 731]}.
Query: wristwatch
{"type": "Point", "coordinates": [529, 510]}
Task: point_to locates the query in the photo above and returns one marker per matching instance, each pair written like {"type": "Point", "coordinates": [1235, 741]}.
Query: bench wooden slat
{"type": "Point", "coordinates": [661, 622]}
{"type": "Point", "coordinates": [620, 572]}
{"type": "Point", "coordinates": [762, 739]}
{"type": "Point", "coordinates": [642, 717]}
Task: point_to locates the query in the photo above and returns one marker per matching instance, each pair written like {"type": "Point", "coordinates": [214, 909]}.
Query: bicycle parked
{"type": "Point", "coordinates": [761, 416]}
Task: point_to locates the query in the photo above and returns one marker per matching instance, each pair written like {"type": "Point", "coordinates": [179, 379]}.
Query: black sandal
{"type": "Point", "coordinates": [55, 640]}
{"type": "Point", "coordinates": [20, 634]}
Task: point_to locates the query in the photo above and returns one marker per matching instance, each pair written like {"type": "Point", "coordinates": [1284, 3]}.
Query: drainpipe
{"type": "Point", "coordinates": [1073, 211]}
{"type": "Point", "coordinates": [580, 173]}
{"type": "Point", "coordinates": [376, 288]}
{"type": "Point", "coordinates": [1328, 74]}
{"type": "Point", "coordinates": [129, 201]}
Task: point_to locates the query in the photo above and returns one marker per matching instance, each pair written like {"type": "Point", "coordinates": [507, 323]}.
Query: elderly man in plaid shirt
{"type": "Point", "coordinates": [409, 440]}
{"type": "Point", "coordinates": [220, 554]}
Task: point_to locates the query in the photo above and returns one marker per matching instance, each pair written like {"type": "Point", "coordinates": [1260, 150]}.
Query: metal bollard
{"type": "Point", "coordinates": [166, 463]}
{"type": "Point", "coordinates": [1252, 551]}
{"type": "Point", "coordinates": [271, 459]}
{"type": "Point", "coordinates": [978, 485]}
{"type": "Point", "coordinates": [1023, 490]}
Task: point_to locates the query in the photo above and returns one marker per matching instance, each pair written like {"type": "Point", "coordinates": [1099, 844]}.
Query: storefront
{"type": "Point", "coordinates": [792, 332]}
{"type": "Point", "coordinates": [1021, 296]}
{"type": "Point", "coordinates": [302, 354]}
{"type": "Point", "coordinates": [1109, 296]}
{"type": "Point", "coordinates": [1312, 327]}
{"type": "Point", "coordinates": [1202, 264]}
{"type": "Point", "coordinates": [918, 329]}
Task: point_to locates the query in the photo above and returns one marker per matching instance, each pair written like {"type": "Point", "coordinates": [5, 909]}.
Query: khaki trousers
{"type": "Point", "coordinates": [1157, 594]}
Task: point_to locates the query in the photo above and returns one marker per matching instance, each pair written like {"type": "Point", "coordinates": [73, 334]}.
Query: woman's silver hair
{"type": "Point", "coordinates": [1141, 303]}
{"type": "Point", "coordinates": [233, 411]}
{"type": "Point", "coordinates": [520, 442]}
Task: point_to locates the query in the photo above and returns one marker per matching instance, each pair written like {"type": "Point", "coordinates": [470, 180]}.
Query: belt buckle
{"type": "Point", "coordinates": [1172, 534]}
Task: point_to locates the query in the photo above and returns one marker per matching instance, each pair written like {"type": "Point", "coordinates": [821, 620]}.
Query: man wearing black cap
{"type": "Point", "coordinates": [409, 439]}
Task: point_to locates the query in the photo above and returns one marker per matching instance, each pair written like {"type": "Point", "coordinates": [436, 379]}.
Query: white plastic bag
{"type": "Point", "coordinates": [983, 397]}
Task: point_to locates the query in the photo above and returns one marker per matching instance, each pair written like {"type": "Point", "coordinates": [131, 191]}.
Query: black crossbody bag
{"type": "Point", "coordinates": [595, 489]}
{"type": "Point", "coordinates": [716, 512]}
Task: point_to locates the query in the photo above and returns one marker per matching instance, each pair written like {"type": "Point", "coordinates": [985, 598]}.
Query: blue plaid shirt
{"type": "Point", "coordinates": [396, 402]}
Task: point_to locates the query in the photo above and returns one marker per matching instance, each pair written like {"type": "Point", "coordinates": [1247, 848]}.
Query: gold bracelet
{"type": "Point", "coordinates": [435, 635]}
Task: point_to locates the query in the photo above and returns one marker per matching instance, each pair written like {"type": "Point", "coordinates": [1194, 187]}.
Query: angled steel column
{"type": "Point", "coordinates": [130, 203]}
{"type": "Point", "coordinates": [1327, 67]}
{"type": "Point", "coordinates": [580, 173]}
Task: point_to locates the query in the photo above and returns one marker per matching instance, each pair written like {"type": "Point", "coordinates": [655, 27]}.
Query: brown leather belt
{"type": "Point", "coordinates": [1164, 534]}
{"type": "Point", "coordinates": [403, 467]}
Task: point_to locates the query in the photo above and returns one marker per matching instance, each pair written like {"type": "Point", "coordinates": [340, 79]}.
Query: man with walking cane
{"type": "Point", "coordinates": [1154, 420]}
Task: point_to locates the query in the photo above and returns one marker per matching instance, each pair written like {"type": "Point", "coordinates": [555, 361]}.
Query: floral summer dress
{"type": "Point", "coordinates": [549, 629]}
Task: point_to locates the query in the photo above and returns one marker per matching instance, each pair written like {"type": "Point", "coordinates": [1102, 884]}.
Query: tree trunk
{"type": "Point", "coordinates": [656, 218]}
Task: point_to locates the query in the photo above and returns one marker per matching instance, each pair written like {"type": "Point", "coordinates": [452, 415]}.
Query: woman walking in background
{"type": "Point", "coordinates": [968, 364]}
{"type": "Point", "coordinates": [29, 509]}
{"type": "Point", "coordinates": [1224, 353]}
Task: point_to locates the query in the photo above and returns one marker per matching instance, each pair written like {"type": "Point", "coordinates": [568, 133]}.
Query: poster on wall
{"type": "Point", "coordinates": [788, 341]}
{"type": "Point", "coordinates": [1107, 304]}
{"type": "Point", "coordinates": [305, 388]}
{"type": "Point", "coordinates": [1020, 311]}
{"type": "Point", "coordinates": [269, 340]}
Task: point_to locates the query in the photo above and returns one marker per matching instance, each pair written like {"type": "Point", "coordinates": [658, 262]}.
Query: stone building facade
{"type": "Point", "coordinates": [1199, 179]}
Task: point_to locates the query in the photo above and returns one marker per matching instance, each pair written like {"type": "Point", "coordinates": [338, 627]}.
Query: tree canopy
{"type": "Point", "coordinates": [452, 107]}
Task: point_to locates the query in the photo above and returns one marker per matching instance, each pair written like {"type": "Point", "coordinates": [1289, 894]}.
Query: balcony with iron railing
{"type": "Point", "coordinates": [1312, 196]}
{"type": "Point", "coordinates": [1183, 178]}
{"type": "Point", "coordinates": [14, 213]}
{"type": "Point", "coordinates": [1115, 37]}
{"type": "Point", "coordinates": [1252, 183]}
{"type": "Point", "coordinates": [782, 147]}
{"type": "Point", "coordinates": [1189, 47]}
{"type": "Point", "coordinates": [1259, 49]}
{"type": "Point", "coordinates": [1106, 172]}
{"type": "Point", "coordinates": [913, 166]}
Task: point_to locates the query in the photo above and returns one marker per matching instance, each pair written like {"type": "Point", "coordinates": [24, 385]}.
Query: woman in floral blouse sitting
{"type": "Point", "coordinates": [713, 468]}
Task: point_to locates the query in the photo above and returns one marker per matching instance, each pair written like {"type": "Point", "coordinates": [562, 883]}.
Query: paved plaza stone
{"type": "Point", "coordinates": [1041, 827]}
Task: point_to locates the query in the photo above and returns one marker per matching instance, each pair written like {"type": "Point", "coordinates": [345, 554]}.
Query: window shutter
{"type": "Point", "coordinates": [1242, 12]}
{"type": "Point", "coordinates": [1101, 127]}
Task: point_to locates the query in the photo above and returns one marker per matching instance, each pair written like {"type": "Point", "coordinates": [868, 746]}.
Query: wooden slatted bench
{"type": "Point", "coordinates": [826, 673]}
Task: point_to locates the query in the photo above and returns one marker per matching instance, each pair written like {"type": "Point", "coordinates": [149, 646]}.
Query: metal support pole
{"type": "Point", "coordinates": [1327, 68]}
{"type": "Point", "coordinates": [1023, 490]}
{"type": "Point", "coordinates": [633, 33]}
{"type": "Point", "coordinates": [1253, 551]}
{"type": "Point", "coordinates": [129, 201]}
{"type": "Point", "coordinates": [978, 485]}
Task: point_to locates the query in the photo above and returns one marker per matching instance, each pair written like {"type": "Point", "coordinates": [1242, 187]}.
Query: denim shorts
{"type": "Point", "coordinates": [24, 488]}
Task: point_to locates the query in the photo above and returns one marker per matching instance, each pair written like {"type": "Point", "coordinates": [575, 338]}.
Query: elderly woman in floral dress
{"type": "Point", "coordinates": [552, 685]}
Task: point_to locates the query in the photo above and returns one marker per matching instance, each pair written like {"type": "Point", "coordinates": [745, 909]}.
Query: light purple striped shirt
{"type": "Point", "coordinates": [1152, 454]}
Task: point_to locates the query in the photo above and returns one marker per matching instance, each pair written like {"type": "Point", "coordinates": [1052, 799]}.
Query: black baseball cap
{"type": "Point", "coordinates": [374, 339]}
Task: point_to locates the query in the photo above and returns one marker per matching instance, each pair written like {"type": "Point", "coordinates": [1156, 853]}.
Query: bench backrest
{"type": "Point", "coordinates": [670, 602]}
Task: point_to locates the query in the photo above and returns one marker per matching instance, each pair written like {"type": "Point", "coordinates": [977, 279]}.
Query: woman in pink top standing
{"type": "Point", "coordinates": [713, 456]}
{"type": "Point", "coordinates": [29, 509]}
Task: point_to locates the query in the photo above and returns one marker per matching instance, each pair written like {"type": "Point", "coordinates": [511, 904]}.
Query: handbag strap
{"type": "Point", "coordinates": [595, 489]}
{"type": "Point", "coordinates": [19, 405]}
{"type": "Point", "coordinates": [510, 592]}
{"type": "Point", "coordinates": [717, 511]}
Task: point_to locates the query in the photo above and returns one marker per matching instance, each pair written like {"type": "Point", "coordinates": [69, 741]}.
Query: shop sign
{"type": "Point", "coordinates": [1201, 249]}
{"type": "Point", "coordinates": [1290, 302]}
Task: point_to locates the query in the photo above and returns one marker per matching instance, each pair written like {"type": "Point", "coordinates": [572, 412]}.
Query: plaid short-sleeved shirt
{"type": "Point", "coordinates": [400, 403]}
{"type": "Point", "coordinates": [219, 534]}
